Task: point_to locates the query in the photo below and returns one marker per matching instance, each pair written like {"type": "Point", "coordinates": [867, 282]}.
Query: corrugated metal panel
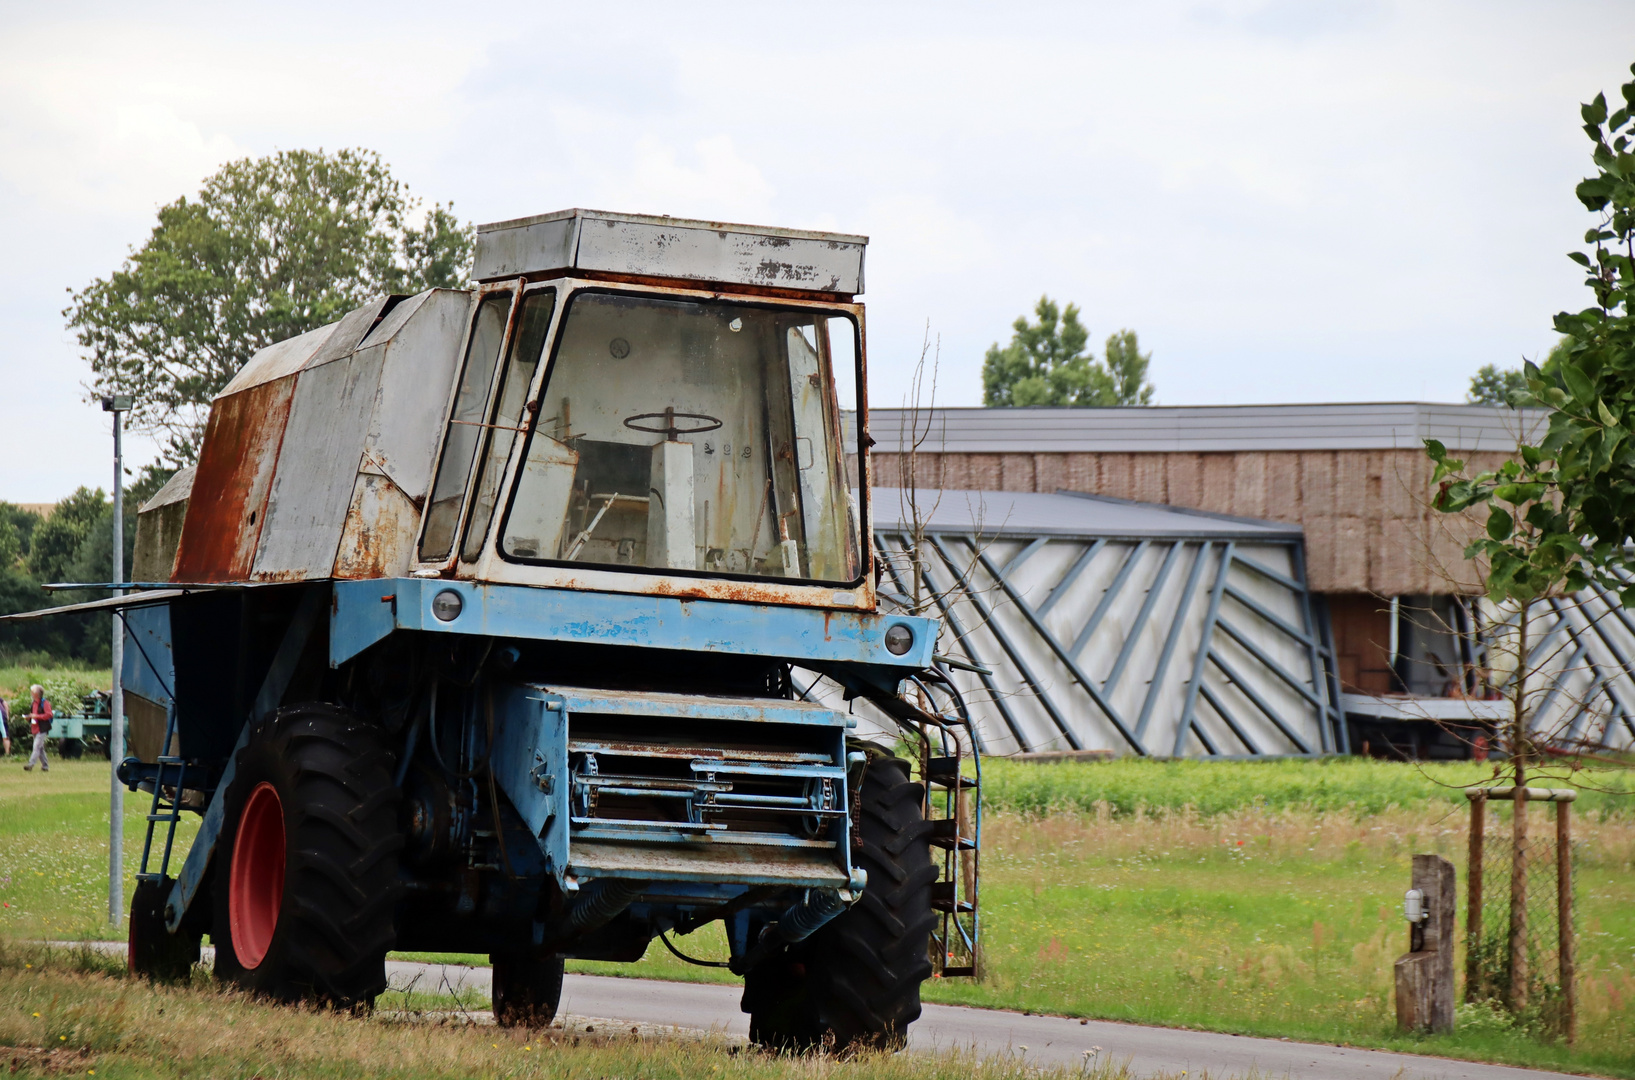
{"type": "Point", "coordinates": [1205, 429]}
{"type": "Point", "coordinates": [709, 251]}
{"type": "Point", "coordinates": [228, 504]}
{"type": "Point", "coordinates": [1011, 513]}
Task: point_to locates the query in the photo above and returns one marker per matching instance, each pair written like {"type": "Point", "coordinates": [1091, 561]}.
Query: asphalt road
{"type": "Point", "coordinates": [589, 1000]}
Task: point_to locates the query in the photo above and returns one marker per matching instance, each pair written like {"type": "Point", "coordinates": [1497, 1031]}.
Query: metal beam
{"type": "Point", "coordinates": [1132, 633]}
{"type": "Point", "coordinates": [1155, 684]}
{"type": "Point", "coordinates": [1211, 617]}
{"type": "Point", "coordinates": [1327, 740]}
{"type": "Point", "coordinates": [1071, 576]}
{"type": "Point", "coordinates": [993, 627]}
{"type": "Point", "coordinates": [1272, 665]}
{"type": "Point", "coordinates": [1108, 596]}
{"type": "Point", "coordinates": [1024, 555]}
{"type": "Point", "coordinates": [1259, 702]}
{"type": "Point", "coordinates": [1227, 718]}
{"type": "Point", "coordinates": [1056, 647]}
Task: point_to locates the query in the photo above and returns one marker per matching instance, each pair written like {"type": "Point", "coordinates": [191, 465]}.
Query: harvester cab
{"type": "Point", "coordinates": [493, 621]}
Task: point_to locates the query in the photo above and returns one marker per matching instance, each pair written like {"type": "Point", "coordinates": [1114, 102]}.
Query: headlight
{"type": "Point", "coordinates": [447, 605]}
{"type": "Point", "coordinates": [899, 639]}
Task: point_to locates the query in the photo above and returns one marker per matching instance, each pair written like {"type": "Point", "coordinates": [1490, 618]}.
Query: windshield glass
{"type": "Point", "coordinates": [692, 436]}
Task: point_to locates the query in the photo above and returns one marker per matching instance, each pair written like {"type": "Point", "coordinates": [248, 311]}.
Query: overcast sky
{"type": "Point", "coordinates": [1337, 200]}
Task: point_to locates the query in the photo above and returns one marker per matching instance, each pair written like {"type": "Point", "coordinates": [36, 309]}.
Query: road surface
{"type": "Point", "coordinates": [695, 1007]}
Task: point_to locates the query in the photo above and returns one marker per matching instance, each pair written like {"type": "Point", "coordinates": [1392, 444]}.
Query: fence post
{"type": "Point", "coordinates": [1519, 869]}
{"type": "Point", "coordinates": [1566, 947]}
{"type": "Point", "coordinates": [1473, 896]}
{"type": "Point", "coordinates": [1424, 976]}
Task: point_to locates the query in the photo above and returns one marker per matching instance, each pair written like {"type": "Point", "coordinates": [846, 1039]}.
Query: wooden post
{"type": "Point", "coordinates": [1567, 947]}
{"type": "Point", "coordinates": [1473, 898]}
{"type": "Point", "coordinates": [1517, 1001]}
{"type": "Point", "coordinates": [1424, 977]}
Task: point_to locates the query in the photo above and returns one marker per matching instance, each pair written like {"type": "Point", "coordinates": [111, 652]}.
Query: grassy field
{"type": "Point", "coordinates": [1276, 912]}
{"type": "Point", "coordinates": [72, 1012]}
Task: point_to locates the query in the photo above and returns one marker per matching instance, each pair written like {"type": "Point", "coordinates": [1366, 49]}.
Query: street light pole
{"type": "Point", "coordinates": [116, 405]}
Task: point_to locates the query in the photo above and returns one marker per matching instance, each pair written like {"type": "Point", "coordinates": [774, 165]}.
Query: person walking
{"type": "Point", "coordinates": [39, 724]}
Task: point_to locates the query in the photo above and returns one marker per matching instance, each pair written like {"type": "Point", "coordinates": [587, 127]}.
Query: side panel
{"type": "Point", "coordinates": [317, 467]}
{"type": "Point", "coordinates": [228, 505]}
{"type": "Point", "coordinates": [420, 354]}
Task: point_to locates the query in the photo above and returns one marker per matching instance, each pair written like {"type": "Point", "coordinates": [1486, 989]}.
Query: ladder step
{"type": "Point", "coordinates": [944, 772]}
{"type": "Point", "coordinates": [958, 972]}
{"type": "Point", "coordinates": [943, 898]}
{"type": "Point", "coordinates": [945, 834]}
{"type": "Point", "coordinates": [175, 815]}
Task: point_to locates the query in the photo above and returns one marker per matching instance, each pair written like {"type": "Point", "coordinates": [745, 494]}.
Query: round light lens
{"type": "Point", "coordinates": [447, 605]}
{"type": "Point", "coordinates": [899, 639]}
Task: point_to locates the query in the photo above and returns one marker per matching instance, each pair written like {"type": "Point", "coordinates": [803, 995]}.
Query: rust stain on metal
{"type": "Point", "coordinates": [228, 506]}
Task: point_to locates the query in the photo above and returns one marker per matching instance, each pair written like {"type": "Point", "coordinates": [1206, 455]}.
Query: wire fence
{"type": "Point", "coordinates": [1492, 964]}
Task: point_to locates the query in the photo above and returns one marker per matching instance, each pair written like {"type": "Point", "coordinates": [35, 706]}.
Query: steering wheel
{"type": "Point", "coordinates": [670, 429]}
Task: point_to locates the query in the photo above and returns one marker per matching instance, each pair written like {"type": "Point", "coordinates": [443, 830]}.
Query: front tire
{"type": "Point", "coordinates": [527, 988]}
{"type": "Point", "coordinates": [151, 951]}
{"type": "Point", "coordinates": [307, 862]}
{"type": "Point", "coordinates": [855, 984]}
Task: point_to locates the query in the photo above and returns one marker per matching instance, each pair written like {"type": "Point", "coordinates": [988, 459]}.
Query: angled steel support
{"type": "Point", "coordinates": [1330, 713]}
{"type": "Point", "coordinates": [1072, 575]}
{"type": "Point", "coordinates": [1174, 636]}
{"type": "Point", "coordinates": [993, 627]}
{"type": "Point", "coordinates": [1228, 719]}
{"type": "Point", "coordinates": [1110, 595]}
{"type": "Point", "coordinates": [1259, 702]}
{"type": "Point", "coordinates": [1190, 704]}
{"type": "Point", "coordinates": [1056, 647]}
{"type": "Point", "coordinates": [1133, 634]}
{"type": "Point", "coordinates": [1271, 665]}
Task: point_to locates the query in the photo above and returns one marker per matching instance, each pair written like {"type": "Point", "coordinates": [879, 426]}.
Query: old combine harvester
{"type": "Point", "coordinates": [488, 623]}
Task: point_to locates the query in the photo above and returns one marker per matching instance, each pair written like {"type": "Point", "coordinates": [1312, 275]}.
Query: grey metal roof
{"type": "Point", "coordinates": [1025, 513]}
{"type": "Point", "coordinates": [1207, 428]}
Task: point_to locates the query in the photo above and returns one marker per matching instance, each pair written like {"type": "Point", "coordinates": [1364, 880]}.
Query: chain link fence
{"type": "Point", "coordinates": [1544, 962]}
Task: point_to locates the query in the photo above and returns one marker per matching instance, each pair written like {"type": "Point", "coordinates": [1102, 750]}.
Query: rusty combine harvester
{"type": "Point", "coordinates": [486, 621]}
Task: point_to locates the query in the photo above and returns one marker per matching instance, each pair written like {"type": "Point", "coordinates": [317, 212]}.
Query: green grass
{"type": "Point", "coordinates": [74, 1012]}
{"type": "Point", "coordinates": [1272, 918]}
{"type": "Point", "coordinates": [1359, 786]}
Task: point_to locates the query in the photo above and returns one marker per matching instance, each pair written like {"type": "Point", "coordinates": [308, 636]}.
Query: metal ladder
{"type": "Point", "coordinates": [167, 809]}
{"type": "Point", "coordinates": [953, 811]}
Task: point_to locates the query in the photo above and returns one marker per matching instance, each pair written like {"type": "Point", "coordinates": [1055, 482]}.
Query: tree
{"type": "Point", "coordinates": [270, 248]}
{"type": "Point", "coordinates": [1561, 512]}
{"type": "Point", "coordinates": [1046, 364]}
{"type": "Point", "coordinates": [1493, 385]}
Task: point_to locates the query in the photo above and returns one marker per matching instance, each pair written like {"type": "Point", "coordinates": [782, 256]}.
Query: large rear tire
{"type": "Point", "coordinates": [527, 988]}
{"type": "Point", "coordinates": [307, 860]}
{"type": "Point", "coordinates": [855, 984]}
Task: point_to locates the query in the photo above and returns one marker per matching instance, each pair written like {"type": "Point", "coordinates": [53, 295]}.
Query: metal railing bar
{"type": "Point", "coordinates": [1051, 640]}
{"type": "Point", "coordinates": [1108, 596]}
{"type": "Point", "coordinates": [1133, 633]}
{"type": "Point", "coordinates": [1260, 703]}
{"type": "Point", "coordinates": [1155, 685]}
{"type": "Point", "coordinates": [1072, 575]}
{"type": "Point", "coordinates": [1203, 737]}
{"type": "Point", "coordinates": [1005, 642]}
{"type": "Point", "coordinates": [1211, 618]}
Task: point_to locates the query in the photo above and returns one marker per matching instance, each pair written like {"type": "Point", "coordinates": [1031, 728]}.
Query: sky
{"type": "Point", "coordinates": [1289, 201]}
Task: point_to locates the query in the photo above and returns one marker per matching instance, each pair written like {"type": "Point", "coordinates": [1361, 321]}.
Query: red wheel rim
{"type": "Point", "coordinates": [255, 887]}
